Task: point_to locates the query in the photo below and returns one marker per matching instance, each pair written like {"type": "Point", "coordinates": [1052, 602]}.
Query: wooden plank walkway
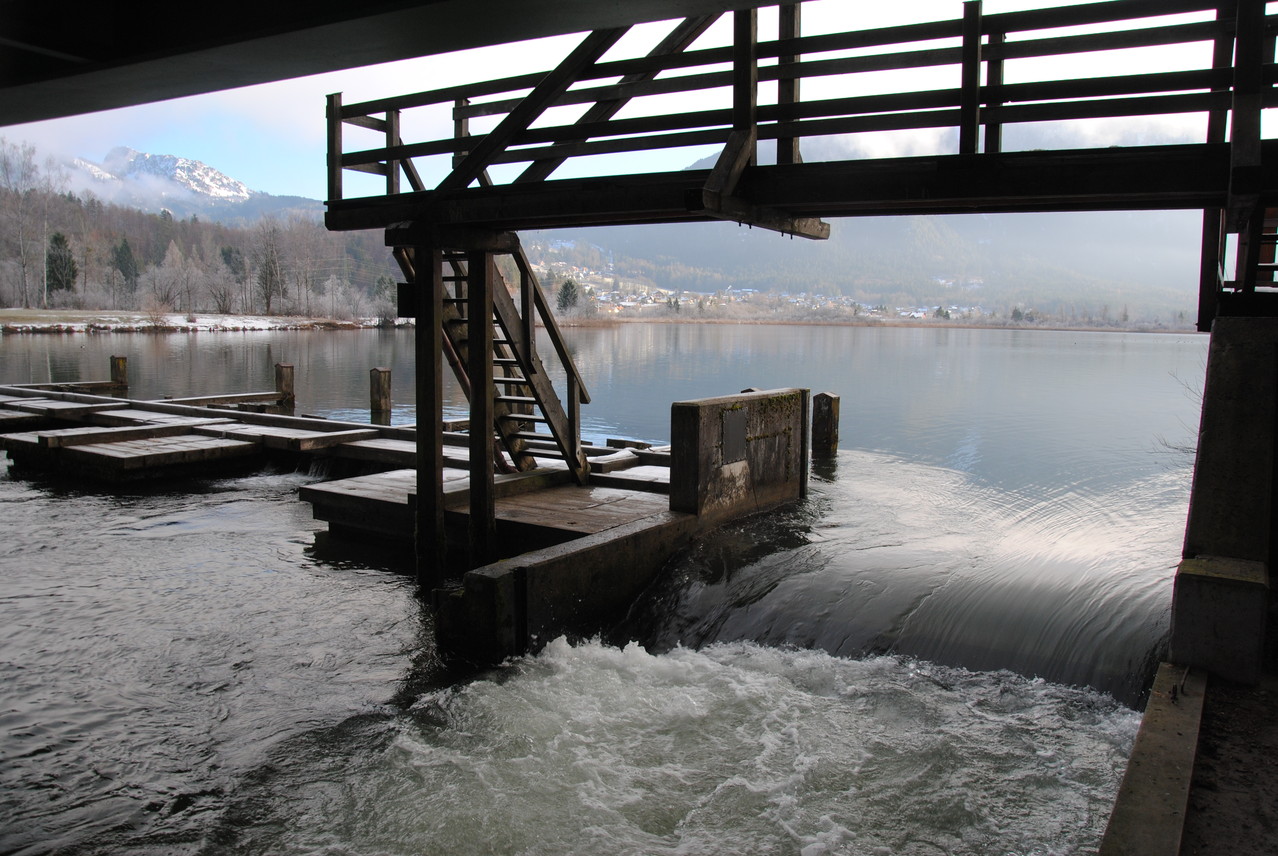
{"type": "Point", "coordinates": [118, 440]}
{"type": "Point", "coordinates": [379, 504]}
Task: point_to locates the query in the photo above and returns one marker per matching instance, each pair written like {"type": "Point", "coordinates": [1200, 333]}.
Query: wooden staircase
{"type": "Point", "coordinates": [526, 408]}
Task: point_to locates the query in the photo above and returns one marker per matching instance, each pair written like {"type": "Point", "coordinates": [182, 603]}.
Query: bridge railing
{"type": "Point", "coordinates": [973, 51]}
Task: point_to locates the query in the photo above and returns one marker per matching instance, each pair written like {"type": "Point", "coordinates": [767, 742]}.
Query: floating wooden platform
{"type": "Point", "coordinates": [539, 507]}
{"type": "Point", "coordinates": [117, 440]}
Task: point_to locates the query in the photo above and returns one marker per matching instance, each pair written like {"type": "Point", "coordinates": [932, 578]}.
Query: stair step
{"type": "Point", "coordinates": [513, 381]}
{"type": "Point", "coordinates": [505, 361]}
{"type": "Point", "coordinates": [516, 399]}
{"type": "Point", "coordinates": [533, 435]}
{"type": "Point", "coordinates": [525, 417]}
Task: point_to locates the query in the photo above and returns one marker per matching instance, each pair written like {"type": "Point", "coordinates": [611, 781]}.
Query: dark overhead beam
{"type": "Point", "coordinates": [1136, 178]}
{"type": "Point", "coordinates": [101, 58]}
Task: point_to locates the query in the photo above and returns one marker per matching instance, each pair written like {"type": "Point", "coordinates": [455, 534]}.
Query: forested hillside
{"type": "Point", "coordinates": [61, 249]}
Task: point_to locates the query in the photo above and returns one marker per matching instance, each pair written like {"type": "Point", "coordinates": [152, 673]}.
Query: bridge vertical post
{"type": "Point", "coordinates": [461, 128]}
{"type": "Point", "coordinates": [428, 297]}
{"type": "Point", "coordinates": [970, 89]}
{"type": "Point", "coordinates": [392, 140]}
{"type": "Point", "coordinates": [479, 368]}
{"type": "Point", "coordinates": [994, 85]}
{"type": "Point", "coordinates": [1246, 216]}
{"type": "Point", "coordinates": [1213, 234]}
{"type": "Point", "coordinates": [745, 74]}
{"type": "Point", "coordinates": [790, 27]}
{"type": "Point", "coordinates": [334, 115]}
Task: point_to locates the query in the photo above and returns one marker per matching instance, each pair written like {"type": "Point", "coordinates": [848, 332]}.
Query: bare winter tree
{"type": "Point", "coordinates": [268, 262]}
{"type": "Point", "coordinates": [19, 212]}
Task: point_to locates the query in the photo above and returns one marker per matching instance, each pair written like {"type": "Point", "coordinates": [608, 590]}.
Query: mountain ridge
{"type": "Point", "coordinates": [183, 186]}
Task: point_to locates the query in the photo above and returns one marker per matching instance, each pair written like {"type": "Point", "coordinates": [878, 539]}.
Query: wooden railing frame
{"type": "Point", "coordinates": [982, 44]}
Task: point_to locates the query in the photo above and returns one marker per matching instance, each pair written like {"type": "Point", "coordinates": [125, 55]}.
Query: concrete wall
{"type": "Point", "coordinates": [515, 606]}
{"type": "Point", "coordinates": [1221, 596]}
{"type": "Point", "coordinates": [738, 454]}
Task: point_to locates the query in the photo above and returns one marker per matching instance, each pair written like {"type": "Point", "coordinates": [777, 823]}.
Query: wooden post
{"type": "Point", "coordinates": [120, 371]}
{"type": "Point", "coordinates": [284, 384]}
{"type": "Point", "coordinates": [392, 140]}
{"type": "Point", "coordinates": [970, 97]}
{"type": "Point", "coordinates": [479, 368]}
{"type": "Point", "coordinates": [788, 86]}
{"type": "Point", "coordinates": [335, 146]}
{"type": "Point", "coordinates": [379, 394]}
{"type": "Point", "coordinates": [825, 424]}
{"type": "Point", "coordinates": [428, 294]}
{"type": "Point", "coordinates": [994, 84]}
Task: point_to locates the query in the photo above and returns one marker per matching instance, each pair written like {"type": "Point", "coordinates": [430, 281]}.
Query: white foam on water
{"type": "Point", "coordinates": [737, 748]}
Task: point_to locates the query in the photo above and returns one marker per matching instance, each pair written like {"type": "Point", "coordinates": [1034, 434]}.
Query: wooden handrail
{"type": "Point", "coordinates": [988, 106]}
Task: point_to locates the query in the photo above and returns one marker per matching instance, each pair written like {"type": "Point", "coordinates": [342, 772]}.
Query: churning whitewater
{"type": "Point", "coordinates": [737, 748]}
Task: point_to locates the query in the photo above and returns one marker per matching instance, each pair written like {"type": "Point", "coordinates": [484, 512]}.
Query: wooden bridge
{"type": "Point", "coordinates": [448, 235]}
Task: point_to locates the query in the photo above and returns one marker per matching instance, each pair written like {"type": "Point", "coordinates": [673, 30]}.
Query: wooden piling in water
{"type": "Point", "coordinates": [284, 384]}
{"type": "Point", "coordinates": [119, 371]}
{"type": "Point", "coordinates": [379, 394]}
{"type": "Point", "coordinates": [825, 424]}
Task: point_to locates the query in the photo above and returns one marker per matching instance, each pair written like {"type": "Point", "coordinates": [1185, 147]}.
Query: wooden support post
{"type": "Point", "coordinates": [1210, 266]}
{"type": "Point", "coordinates": [970, 90]}
{"type": "Point", "coordinates": [994, 86]}
{"type": "Point", "coordinates": [120, 371]}
{"type": "Point", "coordinates": [479, 367]}
{"type": "Point", "coordinates": [1244, 215]}
{"type": "Point", "coordinates": [825, 424]}
{"type": "Point", "coordinates": [335, 146]}
{"type": "Point", "coordinates": [527, 313]}
{"type": "Point", "coordinates": [431, 548]}
{"type": "Point", "coordinates": [745, 73]}
{"type": "Point", "coordinates": [788, 86]}
{"type": "Point", "coordinates": [392, 140]}
{"type": "Point", "coordinates": [1211, 258]}
{"type": "Point", "coordinates": [284, 384]}
{"type": "Point", "coordinates": [379, 394]}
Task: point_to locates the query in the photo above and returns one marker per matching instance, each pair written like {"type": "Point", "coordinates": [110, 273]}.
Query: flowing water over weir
{"type": "Point", "coordinates": [938, 651]}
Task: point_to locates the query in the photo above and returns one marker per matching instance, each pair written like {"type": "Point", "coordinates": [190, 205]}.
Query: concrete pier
{"type": "Point", "coordinates": [1201, 777]}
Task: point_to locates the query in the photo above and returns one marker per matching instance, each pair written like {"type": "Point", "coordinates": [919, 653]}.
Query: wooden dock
{"type": "Point", "coordinates": [113, 440]}
{"type": "Point", "coordinates": [567, 554]}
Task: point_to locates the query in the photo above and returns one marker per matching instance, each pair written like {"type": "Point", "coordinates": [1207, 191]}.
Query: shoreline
{"type": "Point", "coordinates": [69, 322]}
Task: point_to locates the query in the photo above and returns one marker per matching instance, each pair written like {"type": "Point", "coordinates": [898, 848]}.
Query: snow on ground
{"type": "Point", "coordinates": [71, 321]}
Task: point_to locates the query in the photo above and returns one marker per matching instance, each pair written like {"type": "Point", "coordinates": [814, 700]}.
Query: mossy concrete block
{"type": "Point", "coordinates": [1219, 608]}
{"type": "Point", "coordinates": [738, 454]}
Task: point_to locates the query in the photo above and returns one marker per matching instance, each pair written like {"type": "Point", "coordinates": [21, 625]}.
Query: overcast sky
{"type": "Point", "coordinates": [272, 137]}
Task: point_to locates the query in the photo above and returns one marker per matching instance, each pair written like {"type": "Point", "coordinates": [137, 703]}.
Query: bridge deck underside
{"type": "Point", "coordinates": [1129, 178]}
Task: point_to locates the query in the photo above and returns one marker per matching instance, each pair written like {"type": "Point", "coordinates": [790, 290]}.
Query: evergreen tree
{"type": "Point", "coordinates": [60, 265]}
{"type": "Point", "coordinates": [123, 260]}
{"type": "Point", "coordinates": [233, 258]}
{"type": "Point", "coordinates": [569, 294]}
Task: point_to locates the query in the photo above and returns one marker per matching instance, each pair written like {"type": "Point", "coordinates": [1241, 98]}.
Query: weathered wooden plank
{"type": "Point", "coordinates": [317, 440]}
{"type": "Point", "coordinates": [10, 419]}
{"type": "Point", "coordinates": [132, 416]}
{"type": "Point", "coordinates": [65, 437]}
{"type": "Point", "coordinates": [58, 408]}
{"type": "Point", "coordinates": [229, 398]}
{"type": "Point", "coordinates": [156, 455]}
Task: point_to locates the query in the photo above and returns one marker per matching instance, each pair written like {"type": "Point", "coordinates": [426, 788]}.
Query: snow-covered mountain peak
{"type": "Point", "coordinates": [183, 186]}
{"type": "Point", "coordinates": [193, 175]}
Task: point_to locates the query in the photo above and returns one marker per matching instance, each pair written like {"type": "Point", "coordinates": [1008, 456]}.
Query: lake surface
{"type": "Point", "coordinates": [939, 650]}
